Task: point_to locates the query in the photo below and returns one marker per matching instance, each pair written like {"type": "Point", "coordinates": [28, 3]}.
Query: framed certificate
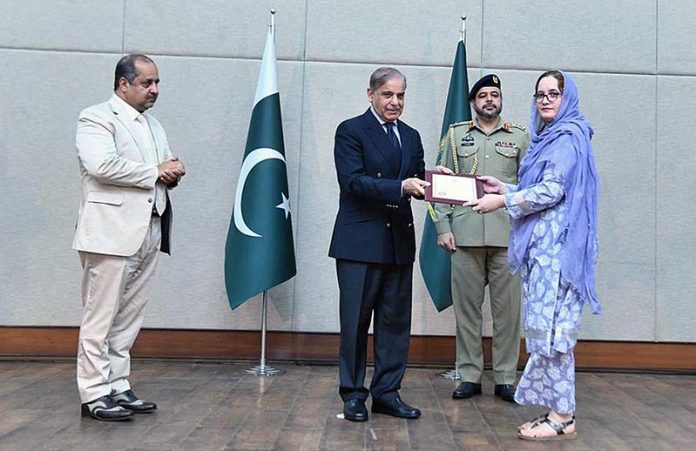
{"type": "Point", "coordinates": [452, 189]}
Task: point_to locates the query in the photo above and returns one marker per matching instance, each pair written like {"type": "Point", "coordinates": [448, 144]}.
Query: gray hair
{"type": "Point", "coordinates": [383, 75]}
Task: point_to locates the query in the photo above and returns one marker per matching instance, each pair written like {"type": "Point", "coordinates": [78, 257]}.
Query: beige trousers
{"type": "Point", "coordinates": [114, 293]}
{"type": "Point", "coordinates": [472, 269]}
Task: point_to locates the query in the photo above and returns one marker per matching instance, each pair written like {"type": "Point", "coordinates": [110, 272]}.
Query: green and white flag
{"type": "Point", "coordinates": [260, 253]}
{"type": "Point", "coordinates": [435, 261]}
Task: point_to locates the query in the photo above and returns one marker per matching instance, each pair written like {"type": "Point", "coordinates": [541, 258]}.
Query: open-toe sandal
{"type": "Point", "coordinates": [558, 428]}
{"type": "Point", "coordinates": [534, 422]}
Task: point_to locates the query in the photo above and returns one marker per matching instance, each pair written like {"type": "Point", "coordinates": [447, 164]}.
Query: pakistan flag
{"type": "Point", "coordinates": [260, 253]}
{"type": "Point", "coordinates": [435, 261]}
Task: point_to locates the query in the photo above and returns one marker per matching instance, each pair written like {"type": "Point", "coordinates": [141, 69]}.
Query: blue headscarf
{"type": "Point", "coordinates": [576, 163]}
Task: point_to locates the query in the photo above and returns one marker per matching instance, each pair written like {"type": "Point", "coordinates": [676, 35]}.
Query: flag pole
{"type": "Point", "coordinates": [262, 369]}
{"type": "Point", "coordinates": [454, 374]}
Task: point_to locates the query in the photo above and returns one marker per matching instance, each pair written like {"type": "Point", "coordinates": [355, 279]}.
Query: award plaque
{"type": "Point", "coordinates": [455, 189]}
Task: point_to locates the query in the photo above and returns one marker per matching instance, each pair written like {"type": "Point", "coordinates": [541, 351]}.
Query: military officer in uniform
{"type": "Point", "coordinates": [488, 145]}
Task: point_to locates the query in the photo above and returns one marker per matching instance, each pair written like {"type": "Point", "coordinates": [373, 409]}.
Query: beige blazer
{"type": "Point", "coordinates": [118, 184]}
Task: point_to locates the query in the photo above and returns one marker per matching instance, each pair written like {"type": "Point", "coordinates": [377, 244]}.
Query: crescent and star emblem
{"type": "Point", "coordinates": [255, 157]}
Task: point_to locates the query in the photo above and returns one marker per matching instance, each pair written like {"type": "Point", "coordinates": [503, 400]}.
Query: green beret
{"type": "Point", "coordinates": [491, 80]}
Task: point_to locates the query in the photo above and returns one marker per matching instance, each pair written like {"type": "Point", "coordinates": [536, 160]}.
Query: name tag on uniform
{"type": "Point", "coordinates": [467, 140]}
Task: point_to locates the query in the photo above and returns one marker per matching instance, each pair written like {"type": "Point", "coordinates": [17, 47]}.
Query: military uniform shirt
{"type": "Point", "coordinates": [466, 149]}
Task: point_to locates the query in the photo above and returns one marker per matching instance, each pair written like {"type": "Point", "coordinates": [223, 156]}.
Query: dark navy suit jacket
{"type": "Point", "coordinates": [374, 222]}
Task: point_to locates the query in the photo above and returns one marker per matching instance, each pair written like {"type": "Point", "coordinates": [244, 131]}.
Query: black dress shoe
{"type": "Point", "coordinates": [128, 400]}
{"type": "Point", "coordinates": [354, 410]}
{"type": "Point", "coordinates": [395, 407]}
{"type": "Point", "coordinates": [466, 390]}
{"type": "Point", "coordinates": [506, 392]}
{"type": "Point", "coordinates": [106, 409]}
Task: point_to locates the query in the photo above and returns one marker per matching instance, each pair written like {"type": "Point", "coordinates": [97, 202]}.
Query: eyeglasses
{"type": "Point", "coordinates": [551, 96]}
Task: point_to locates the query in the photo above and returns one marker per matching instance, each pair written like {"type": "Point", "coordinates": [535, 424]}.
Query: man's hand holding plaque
{"type": "Point", "coordinates": [416, 187]}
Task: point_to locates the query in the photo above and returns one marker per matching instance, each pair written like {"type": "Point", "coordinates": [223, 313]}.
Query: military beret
{"type": "Point", "coordinates": [491, 80]}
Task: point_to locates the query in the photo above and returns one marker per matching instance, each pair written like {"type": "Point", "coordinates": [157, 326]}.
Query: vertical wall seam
{"type": "Point", "coordinates": [123, 28]}
{"type": "Point", "coordinates": [655, 169]}
{"type": "Point", "coordinates": [481, 38]}
{"type": "Point", "coordinates": [299, 159]}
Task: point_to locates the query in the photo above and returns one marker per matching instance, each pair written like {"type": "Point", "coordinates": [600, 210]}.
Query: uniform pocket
{"type": "Point", "coordinates": [467, 156]}
{"type": "Point", "coordinates": [461, 211]}
{"type": "Point", "coordinates": [507, 160]}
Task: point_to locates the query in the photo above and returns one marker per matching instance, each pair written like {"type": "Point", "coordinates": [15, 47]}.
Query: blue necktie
{"type": "Point", "coordinates": [391, 134]}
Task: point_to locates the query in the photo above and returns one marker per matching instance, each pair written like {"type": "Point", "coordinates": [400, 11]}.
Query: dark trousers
{"type": "Point", "coordinates": [386, 290]}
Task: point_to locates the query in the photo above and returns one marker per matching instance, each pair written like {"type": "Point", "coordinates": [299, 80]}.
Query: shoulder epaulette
{"type": "Point", "coordinates": [468, 124]}
{"type": "Point", "coordinates": [518, 126]}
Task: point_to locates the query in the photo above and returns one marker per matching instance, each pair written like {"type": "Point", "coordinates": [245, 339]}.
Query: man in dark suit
{"type": "Point", "coordinates": [379, 163]}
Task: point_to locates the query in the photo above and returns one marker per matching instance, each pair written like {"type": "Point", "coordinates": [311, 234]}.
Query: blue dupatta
{"type": "Point", "coordinates": [577, 165]}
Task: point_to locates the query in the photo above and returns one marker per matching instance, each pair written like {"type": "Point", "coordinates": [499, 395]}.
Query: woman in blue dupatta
{"type": "Point", "coordinates": [553, 244]}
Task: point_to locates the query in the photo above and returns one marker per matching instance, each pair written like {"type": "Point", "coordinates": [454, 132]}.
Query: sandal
{"type": "Point", "coordinates": [532, 423]}
{"type": "Point", "coordinates": [558, 428]}
{"type": "Point", "coordinates": [535, 422]}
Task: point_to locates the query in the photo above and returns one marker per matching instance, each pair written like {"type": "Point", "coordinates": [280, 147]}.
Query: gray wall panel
{"type": "Point", "coordinates": [62, 25]}
{"type": "Point", "coordinates": [624, 145]}
{"type": "Point", "coordinates": [676, 53]}
{"type": "Point", "coordinates": [410, 33]}
{"type": "Point", "coordinates": [627, 294]}
{"type": "Point", "coordinates": [213, 28]}
{"type": "Point", "coordinates": [676, 215]}
{"type": "Point", "coordinates": [576, 35]}
{"type": "Point", "coordinates": [40, 181]}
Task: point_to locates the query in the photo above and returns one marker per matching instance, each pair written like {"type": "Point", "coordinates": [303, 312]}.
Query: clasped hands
{"type": "Point", "coordinates": [170, 171]}
{"type": "Point", "coordinates": [416, 187]}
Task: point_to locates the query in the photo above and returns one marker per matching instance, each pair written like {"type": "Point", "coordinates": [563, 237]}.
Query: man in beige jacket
{"type": "Point", "coordinates": [124, 221]}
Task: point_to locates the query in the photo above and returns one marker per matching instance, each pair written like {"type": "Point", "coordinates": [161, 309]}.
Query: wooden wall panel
{"type": "Point", "coordinates": [27, 342]}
